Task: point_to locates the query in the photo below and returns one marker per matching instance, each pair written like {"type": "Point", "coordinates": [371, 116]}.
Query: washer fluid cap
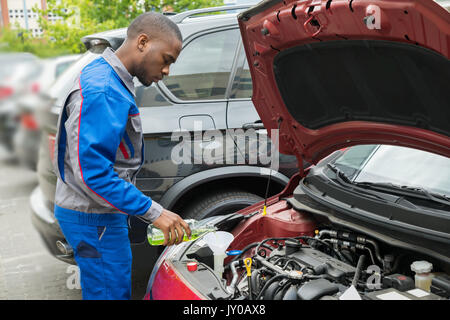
{"type": "Point", "coordinates": [421, 266]}
{"type": "Point", "coordinates": [233, 252]}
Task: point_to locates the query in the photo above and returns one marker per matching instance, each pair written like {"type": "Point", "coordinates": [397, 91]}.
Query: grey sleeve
{"type": "Point", "coordinates": [153, 212]}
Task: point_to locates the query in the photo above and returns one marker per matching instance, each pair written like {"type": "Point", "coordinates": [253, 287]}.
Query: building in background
{"type": "Point", "coordinates": [4, 21]}
{"type": "Point", "coordinates": [20, 12]}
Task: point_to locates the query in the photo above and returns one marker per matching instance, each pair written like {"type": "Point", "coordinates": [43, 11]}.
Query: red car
{"type": "Point", "coordinates": [370, 220]}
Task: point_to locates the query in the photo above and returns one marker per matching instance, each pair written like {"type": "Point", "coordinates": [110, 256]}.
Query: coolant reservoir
{"type": "Point", "coordinates": [423, 276]}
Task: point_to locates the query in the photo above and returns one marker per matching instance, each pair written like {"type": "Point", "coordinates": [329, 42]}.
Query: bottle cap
{"type": "Point", "coordinates": [421, 266]}
{"type": "Point", "coordinates": [233, 252]}
{"type": "Point", "coordinates": [192, 266]}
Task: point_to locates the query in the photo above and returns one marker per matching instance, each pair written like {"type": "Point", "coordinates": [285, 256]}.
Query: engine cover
{"type": "Point", "coordinates": [315, 258]}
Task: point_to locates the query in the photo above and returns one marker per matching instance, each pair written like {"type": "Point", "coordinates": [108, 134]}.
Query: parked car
{"type": "Point", "coordinates": [17, 75]}
{"type": "Point", "coordinates": [27, 135]}
{"type": "Point", "coordinates": [370, 219]}
{"type": "Point", "coordinates": [209, 86]}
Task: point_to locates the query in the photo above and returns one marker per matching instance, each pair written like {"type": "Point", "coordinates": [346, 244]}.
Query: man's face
{"type": "Point", "coordinates": [156, 58]}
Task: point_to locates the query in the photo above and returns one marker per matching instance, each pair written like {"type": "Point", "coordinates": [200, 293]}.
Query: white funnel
{"type": "Point", "coordinates": [218, 241]}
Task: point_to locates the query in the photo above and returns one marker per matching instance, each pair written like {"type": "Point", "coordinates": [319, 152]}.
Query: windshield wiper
{"type": "Point", "coordinates": [339, 173]}
{"type": "Point", "coordinates": [342, 178]}
{"type": "Point", "coordinates": [387, 187]}
{"type": "Point", "coordinates": [417, 192]}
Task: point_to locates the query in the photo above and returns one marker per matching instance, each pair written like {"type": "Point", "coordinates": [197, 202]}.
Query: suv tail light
{"type": "Point", "coordinates": [28, 121]}
{"type": "Point", "coordinates": [35, 87]}
{"type": "Point", "coordinates": [51, 144]}
{"type": "Point", "coordinates": [5, 92]}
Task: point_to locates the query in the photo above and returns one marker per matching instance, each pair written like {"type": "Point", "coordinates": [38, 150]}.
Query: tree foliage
{"type": "Point", "coordinates": [79, 18]}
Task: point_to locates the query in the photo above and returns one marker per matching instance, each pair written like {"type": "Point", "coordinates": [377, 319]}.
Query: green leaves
{"type": "Point", "coordinates": [83, 17]}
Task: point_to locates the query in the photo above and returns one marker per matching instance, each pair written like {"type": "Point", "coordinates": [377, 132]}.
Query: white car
{"type": "Point", "coordinates": [27, 134]}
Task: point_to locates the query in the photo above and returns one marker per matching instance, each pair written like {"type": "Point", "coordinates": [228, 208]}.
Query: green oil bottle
{"type": "Point", "coordinates": [156, 237]}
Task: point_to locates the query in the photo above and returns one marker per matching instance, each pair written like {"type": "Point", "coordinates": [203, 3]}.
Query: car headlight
{"type": "Point", "coordinates": [167, 254]}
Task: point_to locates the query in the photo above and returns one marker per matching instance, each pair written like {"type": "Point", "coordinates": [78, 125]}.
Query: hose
{"type": "Point", "coordinates": [371, 254]}
{"type": "Point", "coordinates": [255, 280]}
{"type": "Point", "coordinates": [295, 262]}
{"type": "Point", "coordinates": [329, 243]}
{"type": "Point", "coordinates": [359, 267]}
{"type": "Point", "coordinates": [353, 238]}
{"type": "Point", "coordinates": [268, 283]}
{"type": "Point", "coordinates": [232, 285]}
{"type": "Point", "coordinates": [377, 250]}
{"type": "Point", "coordinates": [248, 247]}
{"type": "Point", "coordinates": [275, 239]}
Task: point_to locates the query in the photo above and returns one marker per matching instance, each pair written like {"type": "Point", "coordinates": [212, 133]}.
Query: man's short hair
{"type": "Point", "coordinates": [154, 25]}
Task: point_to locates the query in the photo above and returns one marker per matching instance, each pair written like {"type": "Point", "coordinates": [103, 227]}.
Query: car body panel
{"type": "Point", "coordinates": [273, 29]}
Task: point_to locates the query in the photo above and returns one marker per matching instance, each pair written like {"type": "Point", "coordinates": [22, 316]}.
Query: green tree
{"type": "Point", "coordinates": [179, 5]}
{"type": "Point", "coordinates": [79, 18]}
{"type": "Point", "coordinates": [82, 17]}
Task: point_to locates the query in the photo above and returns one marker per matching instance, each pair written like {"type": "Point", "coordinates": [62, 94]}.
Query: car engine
{"type": "Point", "coordinates": [312, 268]}
{"type": "Point", "coordinates": [293, 257]}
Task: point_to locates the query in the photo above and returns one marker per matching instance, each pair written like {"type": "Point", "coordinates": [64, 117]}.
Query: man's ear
{"type": "Point", "coordinates": [142, 41]}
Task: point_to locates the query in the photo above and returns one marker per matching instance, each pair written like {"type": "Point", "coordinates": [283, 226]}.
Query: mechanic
{"type": "Point", "coordinates": [98, 152]}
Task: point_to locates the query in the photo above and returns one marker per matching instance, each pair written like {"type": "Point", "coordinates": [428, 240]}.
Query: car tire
{"type": "Point", "coordinates": [219, 202]}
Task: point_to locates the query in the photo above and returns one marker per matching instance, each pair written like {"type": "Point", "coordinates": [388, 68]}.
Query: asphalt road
{"type": "Point", "coordinates": [27, 270]}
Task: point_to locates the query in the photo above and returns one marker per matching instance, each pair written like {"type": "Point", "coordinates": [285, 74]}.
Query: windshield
{"type": "Point", "coordinates": [444, 3]}
{"type": "Point", "coordinates": [397, 165]}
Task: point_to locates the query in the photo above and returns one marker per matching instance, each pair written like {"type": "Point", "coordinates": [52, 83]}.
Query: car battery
{"type": "Point", "coordinates": [394, 294]}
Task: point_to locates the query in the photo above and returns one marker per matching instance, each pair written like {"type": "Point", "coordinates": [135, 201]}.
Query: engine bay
{"type": "Point", "coordinates": [294, 257]}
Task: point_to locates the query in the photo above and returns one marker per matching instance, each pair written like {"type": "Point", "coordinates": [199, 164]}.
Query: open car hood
{"type": "Point", "coordinates": [336, 73]}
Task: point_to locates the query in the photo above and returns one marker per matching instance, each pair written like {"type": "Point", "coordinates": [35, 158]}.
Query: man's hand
{"type": "Point", "coordinates": [172, 226]}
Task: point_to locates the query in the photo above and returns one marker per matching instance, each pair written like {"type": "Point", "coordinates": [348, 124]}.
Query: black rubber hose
{"type": "Point", "coordinates": [277, 239]}
{"type": "Point", "coordinates": [255, 280]}
{"type": "Point", "coordinates": [268, 283]}
{"type": "Point", "coordinates": [294, 262]}
{"type": "Point", "coordinates": [248, 247]}
{"type": "Point", "coordinates": [359, 267]}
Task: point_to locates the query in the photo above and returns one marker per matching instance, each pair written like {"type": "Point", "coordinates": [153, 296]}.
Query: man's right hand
{"type": "Point", "coordinates": [172, 226]}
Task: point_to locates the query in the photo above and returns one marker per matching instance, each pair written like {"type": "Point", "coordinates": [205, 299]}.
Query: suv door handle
{"type": "Point", "coordinates": [253, 125]}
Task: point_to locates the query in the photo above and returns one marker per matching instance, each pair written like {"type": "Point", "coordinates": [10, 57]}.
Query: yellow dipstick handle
{"type": "Point", "coordinates": [248, 264]}
{"type": "Point", "coordinates": [264, 211]}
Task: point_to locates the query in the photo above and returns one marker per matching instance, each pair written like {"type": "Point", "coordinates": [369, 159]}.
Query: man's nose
{"type": "Point", "coordinates": [165, 70]}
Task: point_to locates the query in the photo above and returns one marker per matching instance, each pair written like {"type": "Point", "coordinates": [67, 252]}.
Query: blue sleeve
{"type": "Point", "coordinates": [102, 123]}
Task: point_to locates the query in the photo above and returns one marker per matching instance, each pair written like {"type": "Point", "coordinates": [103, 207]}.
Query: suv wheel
{"type": "Point", "coordinates": [219, 202]}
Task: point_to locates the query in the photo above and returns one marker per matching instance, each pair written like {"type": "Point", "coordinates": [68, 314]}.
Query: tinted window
{"type": "Point", "coordinates": [61, 67]}
{"type": "Point", "coordinates": [203, 67]}
{"type": "Point", "coordinates": [242, 83]}
{"type": "Point", "coordinates": [150, 97]}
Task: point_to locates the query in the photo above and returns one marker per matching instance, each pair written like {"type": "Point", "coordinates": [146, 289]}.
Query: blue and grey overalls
{"type": "Point", "coordinates": [99, 150]}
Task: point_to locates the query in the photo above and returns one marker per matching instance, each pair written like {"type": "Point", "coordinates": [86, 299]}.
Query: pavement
{"type": "Point", "coordinates": [27, 270]}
